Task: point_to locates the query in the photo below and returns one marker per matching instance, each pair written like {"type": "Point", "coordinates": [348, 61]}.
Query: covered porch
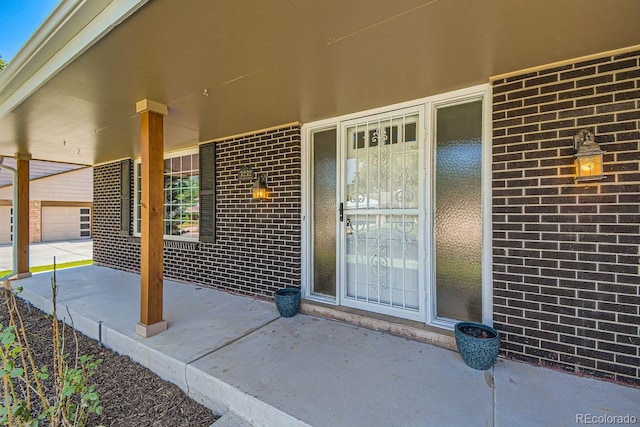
{"type": "Point", "coordinates": [141, 90]}
{"type": "Point", "coordinates": [236, 355]}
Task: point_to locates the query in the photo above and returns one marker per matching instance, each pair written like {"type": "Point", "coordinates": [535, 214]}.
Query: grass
{"type": "Point", "coordinates": [41, 268]}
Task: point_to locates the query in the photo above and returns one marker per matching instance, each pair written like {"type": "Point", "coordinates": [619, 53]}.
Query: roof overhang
{"type": "Point", "coordinates": [224, 68]}
{"type": "Point", "coordinates": [73, 27]}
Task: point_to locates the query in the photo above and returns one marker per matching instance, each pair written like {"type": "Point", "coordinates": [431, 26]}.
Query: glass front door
{"type": "Point", "coordinates": [380, 214]}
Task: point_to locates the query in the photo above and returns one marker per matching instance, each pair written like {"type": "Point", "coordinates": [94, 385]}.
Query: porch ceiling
{"type": "Point", "coordinates": [268, 63]}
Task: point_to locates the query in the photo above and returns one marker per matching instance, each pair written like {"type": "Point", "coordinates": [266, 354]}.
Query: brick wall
{"type": "Point", "coordinates": [566, 255]}
{"type": "Point", "coordinates": [258, 243]}
{"type": "Point", "coordinates": [109, 247]}
{"type": "Point", "coordinates": [35, 221]}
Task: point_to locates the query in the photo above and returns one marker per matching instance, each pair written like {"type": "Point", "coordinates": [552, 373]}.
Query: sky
{"type": "Point", "coordinates": [19, 19]}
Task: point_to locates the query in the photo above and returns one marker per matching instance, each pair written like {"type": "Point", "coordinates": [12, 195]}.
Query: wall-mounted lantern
{"type": "Point", "coordinates": [260, 189]}
{"type": "Point", "coordinates": [588, 157]}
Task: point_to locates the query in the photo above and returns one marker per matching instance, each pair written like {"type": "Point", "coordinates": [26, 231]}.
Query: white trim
{"type": "Point", "coordinates": [371, 112]}
{"type": "Point", "coordinates": [487, 214]}
{"type": "Point", "coordinates": [67, 15]}
{"type": "Point", "coordinates": [477, 93]}
{"type": "Point", "coordinates": [52, 24]}
{"type": "Point", "coordinates": [305, 210]}
{"type": "Point", "coordinates": [306, 214]}
{"type": "Point", "coordinates": [166, 155]}
{"type": "Point", "coordinates": [460, 96]}
{"type": "Point", "coordinates": [427, 192]}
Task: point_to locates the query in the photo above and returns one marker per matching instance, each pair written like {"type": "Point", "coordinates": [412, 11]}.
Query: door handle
{"type": "Point", "coordinates": [341, 212]}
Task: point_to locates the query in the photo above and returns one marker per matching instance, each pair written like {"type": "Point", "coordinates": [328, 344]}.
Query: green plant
{"type": "Point", "coordinates": [72, 400]}
{"type": "Point", "coordinates": [20, 376]}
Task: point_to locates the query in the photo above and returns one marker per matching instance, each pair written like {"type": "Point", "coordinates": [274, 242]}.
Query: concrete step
{"type": "Point", "coordinates": [231, 419]}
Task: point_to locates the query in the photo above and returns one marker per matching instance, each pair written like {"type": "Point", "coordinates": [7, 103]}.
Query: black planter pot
{"type": "Point", "coordinates": [478, 344]}
{"type": "Point", "coordinates": [287, 301]}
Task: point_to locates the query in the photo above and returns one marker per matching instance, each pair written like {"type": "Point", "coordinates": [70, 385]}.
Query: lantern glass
{"type": "Point", "coordinates": [260, 193]}
{"type": "Point", "coordinates": [589, 156]}
{"type": "Point", "coordinates": [260, 189]}
{"type": "Point", "coordinates": [589, 168]}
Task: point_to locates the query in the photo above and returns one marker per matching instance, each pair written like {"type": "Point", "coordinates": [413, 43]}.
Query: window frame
{"type": "Point", "coordinates": [136, 202]}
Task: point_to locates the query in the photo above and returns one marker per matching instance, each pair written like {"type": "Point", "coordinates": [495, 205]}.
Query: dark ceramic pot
{"type": "Point", "coordinates": [478, 344]}
{"type": "Point", "coordinates": [287, 301]}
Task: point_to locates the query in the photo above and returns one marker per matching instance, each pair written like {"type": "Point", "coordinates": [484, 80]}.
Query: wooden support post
{"type": "Point", "coordinates": [21, 217]}
{"type": "Point", "coordinates": [151, 218]}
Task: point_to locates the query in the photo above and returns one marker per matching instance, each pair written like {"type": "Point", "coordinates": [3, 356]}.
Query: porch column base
{"type": "Point", "coordinates": [153, 329]}
{"type": "Point", "coordinates": [20, 276]}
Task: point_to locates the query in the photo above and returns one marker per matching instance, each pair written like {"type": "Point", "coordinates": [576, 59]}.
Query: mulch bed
{"type": "Point", "coordinates": [130, 394]}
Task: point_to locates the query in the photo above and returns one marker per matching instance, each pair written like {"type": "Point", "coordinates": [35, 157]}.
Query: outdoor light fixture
{"type": "Point", "coordinates": [588, 157]}
{"type": "Point", "coordinates": [260, 189]}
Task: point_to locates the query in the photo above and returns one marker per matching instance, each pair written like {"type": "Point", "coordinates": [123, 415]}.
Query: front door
{"type": "Point", "coordinates": [396, 203]}
{"type": "Point", "coordinates": [381, 214]}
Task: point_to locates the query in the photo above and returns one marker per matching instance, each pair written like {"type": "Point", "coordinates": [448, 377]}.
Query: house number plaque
{"type": "Point", "coordinates": [245, 174]}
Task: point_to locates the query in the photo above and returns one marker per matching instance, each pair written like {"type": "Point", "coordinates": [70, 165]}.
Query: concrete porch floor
{"type": "Point", "coordinates": [237, 355]}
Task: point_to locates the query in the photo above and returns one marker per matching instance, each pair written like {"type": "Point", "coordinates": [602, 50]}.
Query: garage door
{"type": "Point", "coordinates": [65, 223]}
{"type": "Point", "coordinates": [5, 224]}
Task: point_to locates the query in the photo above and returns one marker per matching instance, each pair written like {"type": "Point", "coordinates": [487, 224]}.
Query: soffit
{"type": "Point", "coordinates": [268, 63]}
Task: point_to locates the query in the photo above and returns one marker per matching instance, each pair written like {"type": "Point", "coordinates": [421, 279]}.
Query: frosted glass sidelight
{"type": "Point", "coordinates": [458, 211]}
{"type": "Point", "coordinates": [324, 212]}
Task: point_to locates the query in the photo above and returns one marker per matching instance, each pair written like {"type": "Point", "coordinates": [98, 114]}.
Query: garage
{"type": "Point", "coordinates": [65, 223]}
{"type": "Point", "coordinates": [5, 224]}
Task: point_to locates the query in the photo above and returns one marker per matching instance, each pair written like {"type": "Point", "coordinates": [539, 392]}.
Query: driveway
{"type": "Point", "coordinates": [43, 253]}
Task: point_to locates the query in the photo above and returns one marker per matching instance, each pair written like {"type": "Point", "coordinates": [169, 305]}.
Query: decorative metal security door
{"type": "Point", "coordinates": [381, 214]}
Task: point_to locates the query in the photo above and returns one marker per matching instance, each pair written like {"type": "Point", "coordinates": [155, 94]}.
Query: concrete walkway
{"type": "Point", "coordinates": [43, 253]}
{"type": "Point", "coordinates": [236, 354]}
